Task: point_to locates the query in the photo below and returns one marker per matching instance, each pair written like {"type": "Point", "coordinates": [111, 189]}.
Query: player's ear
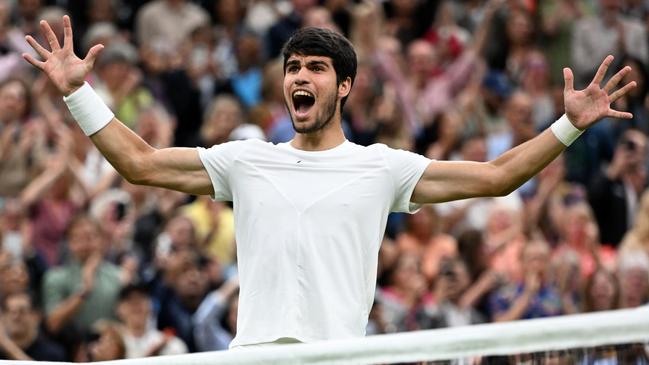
{"type": "Point", "coordinates": [345, 87]}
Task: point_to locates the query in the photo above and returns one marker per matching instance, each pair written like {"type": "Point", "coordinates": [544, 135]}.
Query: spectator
{"type": "Point", "coordinates": [448, 309]}
{"type": "Point", "coordinates": [84, 290]}
{"type": "Point", "coordinates": [581, 238]}
{"type": "Point", "coordinates": [403, 294]}
{"type": "Point", "coordinates": [21, 139]}
{"type": "Point", "coordinates": [280, 32]}
{"type": "Point", "coordinates": [141, 339]}
{"type": "Point", "coordinates": [601, 291]}
{"type": "Point", "coordinates": [633, 276]}
{"type": "Point", "coordinates": [609, 32]}
{"type": "Point", "coordinates": [120, 82]}
{"type": "Point", "coordinates": [53, 198]}
{"type": "Point", "coordinates": [21, 337]}
{"type": "Point", "coordinates": [106, 344]}
{"type": "Point", "coordinates": [423, 238]}
{"type": "Point", "coordinates": [222, 116]}
{"type": "Point", "coordinates": [187, 287]}
{"type": "Point", "coordinates": [532, 297]}
{"type": "Point", "coordinates": [171, 20]}
{"type": "Point", "coordinates": [614, 192]}
{"type": "Point", "coordinates": [215, 319]}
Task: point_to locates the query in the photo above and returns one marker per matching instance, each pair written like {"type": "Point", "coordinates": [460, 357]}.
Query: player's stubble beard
{"type": "Point", "coordinates": [328, 110]}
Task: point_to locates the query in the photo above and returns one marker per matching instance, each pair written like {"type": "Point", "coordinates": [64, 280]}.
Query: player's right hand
{"type": "Point", "coordinates": [66, 71]}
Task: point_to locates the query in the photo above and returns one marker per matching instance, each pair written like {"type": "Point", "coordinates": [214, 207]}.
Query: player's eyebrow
{"type": "Point", "coordinates": [317, 63]}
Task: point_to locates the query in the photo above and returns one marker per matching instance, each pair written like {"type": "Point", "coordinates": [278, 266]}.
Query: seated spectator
{"type": "Point", "coordinates": [613, 192]}
{"type": "Point", "coordinates": [141, 339]}
{"type": "Point", "coordinates": [21, 336]}
{"type": "Point", "coordinates": [403, 294]}
{"type": "Point", "coordinates": [83, 291]}
{"type": "Point", "coordinates": [106, 343]}
{"type": "Point", "coordinates": [601, 291]}
{"type": "Point", "coordinates": [532, 297]}
{"type": "Point", "coordinates": [581, 237]}
{"type": "Point", "coordinates": [423, 237]}
{"type": "Point", "coordinates": [448, 309]}
{"type": "Point", "coordinates": [187, 285]}
{"type": "Point", "coordinates": [216, 318]}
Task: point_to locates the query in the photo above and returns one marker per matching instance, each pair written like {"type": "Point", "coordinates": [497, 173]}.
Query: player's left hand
{"type": "Point", "coordinates": [587, 106]}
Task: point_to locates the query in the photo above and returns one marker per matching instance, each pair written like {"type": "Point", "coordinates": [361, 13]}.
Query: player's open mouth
{"type": "Point", "coordinates": [302, 102]}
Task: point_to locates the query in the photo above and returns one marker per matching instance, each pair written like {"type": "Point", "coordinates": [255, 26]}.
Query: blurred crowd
{"type": "Point", "coordinates": [94, 268]}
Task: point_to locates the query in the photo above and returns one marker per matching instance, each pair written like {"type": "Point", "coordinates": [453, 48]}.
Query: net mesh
{"type": "Point", "coordinates": [605, 338]}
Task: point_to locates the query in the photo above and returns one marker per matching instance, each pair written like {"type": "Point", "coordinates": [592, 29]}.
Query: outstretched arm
{"type": "Point", "coordinates": [173, 168]}
{"type": "Point", "coordinates": [450, 180]}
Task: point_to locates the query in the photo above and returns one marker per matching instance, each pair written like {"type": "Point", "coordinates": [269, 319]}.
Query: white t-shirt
{"type": "Point", "coordinates": [308, 230]}
{"type": "Point", "coordinates": [138, 347]}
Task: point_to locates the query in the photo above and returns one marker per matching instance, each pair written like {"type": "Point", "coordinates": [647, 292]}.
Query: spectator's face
{"type": "Point", "coordinates": [19, 317]}
{"type": "Point", "coordinates": [602, 292]}
{"type": "Point", "coordinates": [311, 92]}
{"type": "Point", "coordinates": [228, 11]}
{"type": "Point", "coordinates": [107, 347]}
{"type": "Point", "coordinates": [518, 113]}
{"type": "Point", "coordinates": [84, 238]}
{"type": "Point", "coordinates": [536, 256]}
{"type": "Point", "coordinates": [519, 28]}
{"type": "Point", "coordinates": [475, 149]}
{"type": "Point", "coordinates": [222, 121]}
{"type": "Point", "coordinates": [14, 278]}
{"type": "Point", "coordinates": [423, 222]}
{"type": "Point", "coordinates": [421, 58]}
{"type": "Point", "coordinates": [457, 280]}
{"type": "Point", "coordinates": [114, 74]}
{"type": "Point", "coordinates": [407, 276]}
{"type": "Point", "coordinates": [248, 48]}
{"type": "Point", "coordinates": [191, 282]}
{"type": "Point", "coordinates": [181, 232]}
{"type": "Point", "coordinates": [13, 102]}
{"type": "Point", "coordinates": [580, 226]}
{"type": "Point", "coordinates": [135, 309]}
{"type": "Point", "coordinates": [101, 11]}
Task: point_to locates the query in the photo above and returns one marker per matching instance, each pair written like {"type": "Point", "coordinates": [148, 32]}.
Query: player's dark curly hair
{"type": "Point", "coordinates": [323, 42]}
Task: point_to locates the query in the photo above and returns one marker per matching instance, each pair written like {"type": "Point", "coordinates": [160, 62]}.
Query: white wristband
{"type": "Point", "coordinates": [88, 109]}
{"type": "Point", "coordinates": [565, 131]}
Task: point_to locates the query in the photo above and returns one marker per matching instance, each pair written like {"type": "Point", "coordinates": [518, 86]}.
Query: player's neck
{"type": "Point", "coordinates": [327, 138]}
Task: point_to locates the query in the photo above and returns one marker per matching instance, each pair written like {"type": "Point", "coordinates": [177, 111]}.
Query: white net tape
{"type": "Point", "coordinates": [557, 333]}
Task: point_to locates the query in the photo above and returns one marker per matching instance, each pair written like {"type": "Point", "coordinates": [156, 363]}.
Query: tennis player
{"type": "Point", "coordinates": [310, 214]}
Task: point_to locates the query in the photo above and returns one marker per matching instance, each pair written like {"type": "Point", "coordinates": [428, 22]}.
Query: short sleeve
{"type": "Point", "coordinates": [406, 169]}
{"type": "Point", "coordinates": [218, 161]}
